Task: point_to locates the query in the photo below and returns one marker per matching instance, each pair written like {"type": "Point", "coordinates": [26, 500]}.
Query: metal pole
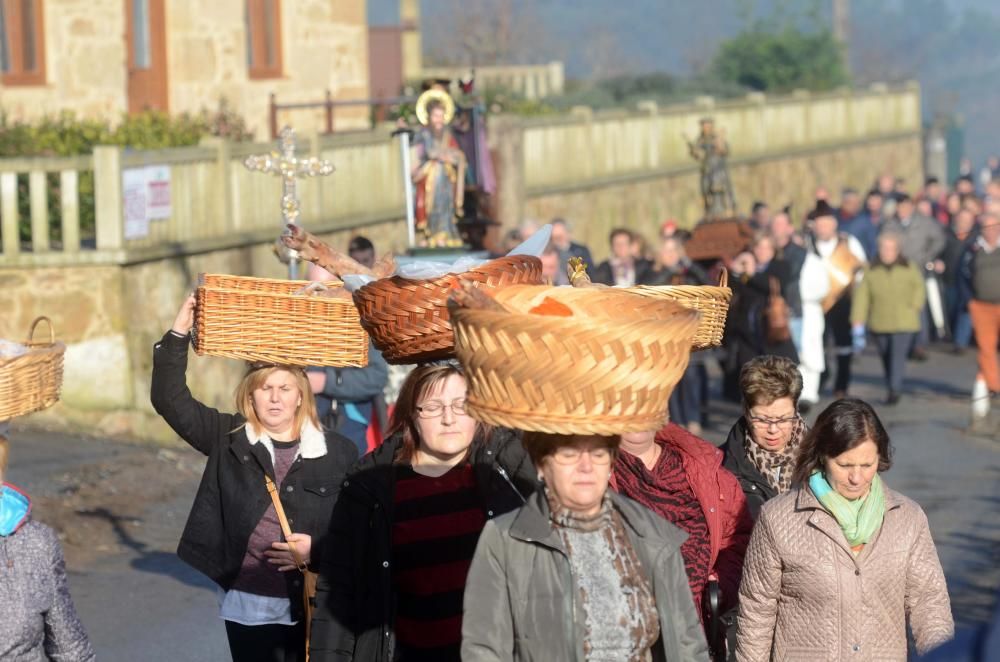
{"type": "Point", "coordinates": [404, 147]}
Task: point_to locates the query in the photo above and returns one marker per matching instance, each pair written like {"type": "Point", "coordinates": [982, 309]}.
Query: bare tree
{"type": "Point", "coordinates": [486, 32]}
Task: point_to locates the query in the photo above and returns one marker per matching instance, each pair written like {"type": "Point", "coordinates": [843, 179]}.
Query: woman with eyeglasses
{"type": "Point", "coordinates": [408, 520]}
{"type": "Point", "coordinates": [579, 572]}
{"type": "Point", "coordinates": [842, 566]}
{"type": "Point", "coordinates": [763, 444]}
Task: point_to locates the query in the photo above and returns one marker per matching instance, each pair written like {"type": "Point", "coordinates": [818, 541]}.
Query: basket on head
{"type": "Point", "coordinates": [607, 369]}
{"type": "Point", "coordinates": [31, 382]}
{"type": "Point", "coordinates": [710, 300]}
{"type": "Point", "coordinates": [408, 320]}
{"type": "Point", "coordinates": [264, 319]}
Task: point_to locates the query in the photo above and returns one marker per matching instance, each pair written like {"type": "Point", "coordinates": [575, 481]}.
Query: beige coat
{"type": "Point", "coordinates": [805, 597]}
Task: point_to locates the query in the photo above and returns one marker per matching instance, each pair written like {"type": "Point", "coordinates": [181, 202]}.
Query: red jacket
{"type": "Point", "coordinates": [723, 502]}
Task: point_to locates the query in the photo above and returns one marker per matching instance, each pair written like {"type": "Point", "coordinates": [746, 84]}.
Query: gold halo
{"type": "Point", "coordinates": [435, 95]}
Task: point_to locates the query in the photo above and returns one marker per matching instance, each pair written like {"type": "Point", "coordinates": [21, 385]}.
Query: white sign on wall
{"type": "Point", "coordinates": [146, 197]}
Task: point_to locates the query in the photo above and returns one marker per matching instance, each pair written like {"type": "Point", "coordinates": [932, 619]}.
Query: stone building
{"type": "Point", "coordinates": [103, 58]}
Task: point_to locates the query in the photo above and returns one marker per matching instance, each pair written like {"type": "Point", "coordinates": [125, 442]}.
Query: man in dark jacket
{"type": "Point", "coordinates": [349, 399]}
{"type": "Point", "coordinates": [622, 269]}
{"type": "Point", "coordinates": [355, 606]}
{"type": "Point", "coordinates": [865, 226]}
{"type": "Point", "coordinates": [562, 241]}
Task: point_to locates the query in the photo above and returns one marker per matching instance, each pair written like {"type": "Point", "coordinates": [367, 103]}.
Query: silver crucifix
{"type": "Point", "coordinates": [290, 168]}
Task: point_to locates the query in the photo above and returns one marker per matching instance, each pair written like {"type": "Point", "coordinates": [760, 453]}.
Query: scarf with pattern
{"type": "Point", "coordinates": [777, 467]}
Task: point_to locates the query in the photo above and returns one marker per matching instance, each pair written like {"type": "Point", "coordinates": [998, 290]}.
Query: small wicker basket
{"type": "Point", "coordinates": [262, 319]}
{"type": "Point", "coordinates": [710, 300]}
{"type": "Point", "coordinates": [31, 382]}
{"type": "Point", "coordinates": [608, 369]}
{"type": "Point", "coordinates": [408, 319]}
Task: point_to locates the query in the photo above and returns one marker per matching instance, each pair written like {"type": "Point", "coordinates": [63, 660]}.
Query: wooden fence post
{"type": "Point", "coordinates": [108, 197]}
{"type": "Point", "coordinates": [39, 206]}
{"type": "Point", "coordinates": [8, 214]}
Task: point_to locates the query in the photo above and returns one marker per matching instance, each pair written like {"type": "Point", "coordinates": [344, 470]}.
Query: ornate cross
{"type": "Point", "coordinates": [290, 168]}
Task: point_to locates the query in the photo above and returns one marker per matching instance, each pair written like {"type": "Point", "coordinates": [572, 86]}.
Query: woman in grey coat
{"type": "Point", "coordinates": [37, 618]}
{"type": "Point", "coordinates": [579, 573]}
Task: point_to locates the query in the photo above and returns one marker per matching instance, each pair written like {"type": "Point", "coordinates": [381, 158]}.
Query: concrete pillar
{"type": "Point", "coordinates": [413, 56]}
{"type": "Point", "coordinates": [110, 220]}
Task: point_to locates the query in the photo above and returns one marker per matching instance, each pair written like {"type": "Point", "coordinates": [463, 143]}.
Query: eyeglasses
{"type": "Point", "coordinates": [571, 455]}
{"type": "Point", "coordinates": [764, 423]}
{"type": "Point", "coordinates": [436, 409]}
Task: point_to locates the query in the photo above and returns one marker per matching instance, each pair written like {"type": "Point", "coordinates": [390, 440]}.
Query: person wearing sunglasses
{"type": "Point", "coordinates": [579, 572]}
{"type": "Point", "coordinates": [408, 520]}
{"type": "Point", "coordinates": [763, 444]}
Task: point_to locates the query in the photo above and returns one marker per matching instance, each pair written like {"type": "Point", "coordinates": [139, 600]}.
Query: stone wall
{"type": "Point", "coordinates": [324, 47]}
{"type": "Point", "coordinates": [85, 57]}
{"type": "Point", "coordinates": [643, 204]}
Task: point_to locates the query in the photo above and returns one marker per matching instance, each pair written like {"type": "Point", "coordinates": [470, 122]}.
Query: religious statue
{"type": "Point", "coordinates": [711, 149]}
{"type": "Point", "coordinates": [439, 172]}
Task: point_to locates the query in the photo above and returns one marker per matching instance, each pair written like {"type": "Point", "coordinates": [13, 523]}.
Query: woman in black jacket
{"type": "Point", "coordinates": [407, 525]}
{"type": "Point", "coordinates": [763, 444]}
{"type": "Point", "coordinates": [233, 535]}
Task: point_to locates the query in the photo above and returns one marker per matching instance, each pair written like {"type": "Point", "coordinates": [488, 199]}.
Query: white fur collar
{"type": "Point", "coordinates": [312, 441]}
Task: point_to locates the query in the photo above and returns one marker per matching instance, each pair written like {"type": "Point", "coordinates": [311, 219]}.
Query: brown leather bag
{"type": "Point", "coordinates": [778, 329]}
{"type": "Point", "coordinates": [308, 577]}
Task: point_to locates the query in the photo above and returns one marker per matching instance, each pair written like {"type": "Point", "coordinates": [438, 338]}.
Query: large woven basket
{"type": "Point", "coordinates": [408, 319]}
{"type": "Point", "coordinates": [710, 300]}
{"type": "Point", "coordinates": [608, 369]}
{"type": "Point", "coordinates": [31, 382]}
{"type": "Point", "coordinates": [262, 319]}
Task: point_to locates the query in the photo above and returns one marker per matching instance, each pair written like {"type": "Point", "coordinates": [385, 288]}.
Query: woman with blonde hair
{"type": "Point", "coordinates": [233, 534]}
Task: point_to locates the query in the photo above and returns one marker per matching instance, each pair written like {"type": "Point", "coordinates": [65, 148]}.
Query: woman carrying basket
{"type": "Point", "coordinates": [234, 531]}
{"type": "Point", "coordinates": [407, 525]}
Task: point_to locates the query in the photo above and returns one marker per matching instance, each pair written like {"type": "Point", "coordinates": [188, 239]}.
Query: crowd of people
{"type": "Point", "coordinates": [885, 266]}
{"type": "Point", "coordinates": [447, 539]}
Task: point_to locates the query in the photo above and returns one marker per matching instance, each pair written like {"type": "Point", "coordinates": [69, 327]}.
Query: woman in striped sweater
{"type": "Point", "coordinates": [408, 521]}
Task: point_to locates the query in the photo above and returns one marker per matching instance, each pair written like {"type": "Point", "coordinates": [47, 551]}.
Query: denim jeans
{"type": "Point", "coordinates": [686, 399]}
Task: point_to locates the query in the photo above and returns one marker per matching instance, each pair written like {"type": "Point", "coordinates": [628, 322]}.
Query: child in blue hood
{"type": "Point", "coordinates": [39, 621]}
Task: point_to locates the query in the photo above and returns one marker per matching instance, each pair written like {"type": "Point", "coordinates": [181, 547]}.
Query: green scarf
{"type": "Point", "coordinates": [859, 519]}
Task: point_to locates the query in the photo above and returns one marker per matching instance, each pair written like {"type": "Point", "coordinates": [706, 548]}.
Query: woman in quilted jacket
{"type": "Point", "coordinates": [838, 566]}
{"type": "Point", "coordinates": [37, 618]}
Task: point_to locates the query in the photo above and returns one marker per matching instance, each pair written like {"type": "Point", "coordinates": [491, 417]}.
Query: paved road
{"type": "Point", "coordinates": [139, 602]}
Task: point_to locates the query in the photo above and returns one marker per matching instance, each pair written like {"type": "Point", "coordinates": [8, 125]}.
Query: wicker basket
{"type": "Point", "coordinates": [608, 369]}
{"type": "Point", "coordinates": [262, 319]}
{"type": "Point", "coordinates": [31, 382]}
{"type": "Point", "coordinates": [408, 319]}
{"type": "Point", "coordinates": [710, 300]}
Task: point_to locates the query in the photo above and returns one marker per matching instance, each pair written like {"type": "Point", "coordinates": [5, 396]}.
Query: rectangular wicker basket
{"type": "Point", "coordinates": [263, 319]}
{"type": "Point", "coordinates": [31, 382]}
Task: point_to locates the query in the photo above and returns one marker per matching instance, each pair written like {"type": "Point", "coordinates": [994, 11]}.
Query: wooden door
{"type": "Point", "coordinates": [145, 36]}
